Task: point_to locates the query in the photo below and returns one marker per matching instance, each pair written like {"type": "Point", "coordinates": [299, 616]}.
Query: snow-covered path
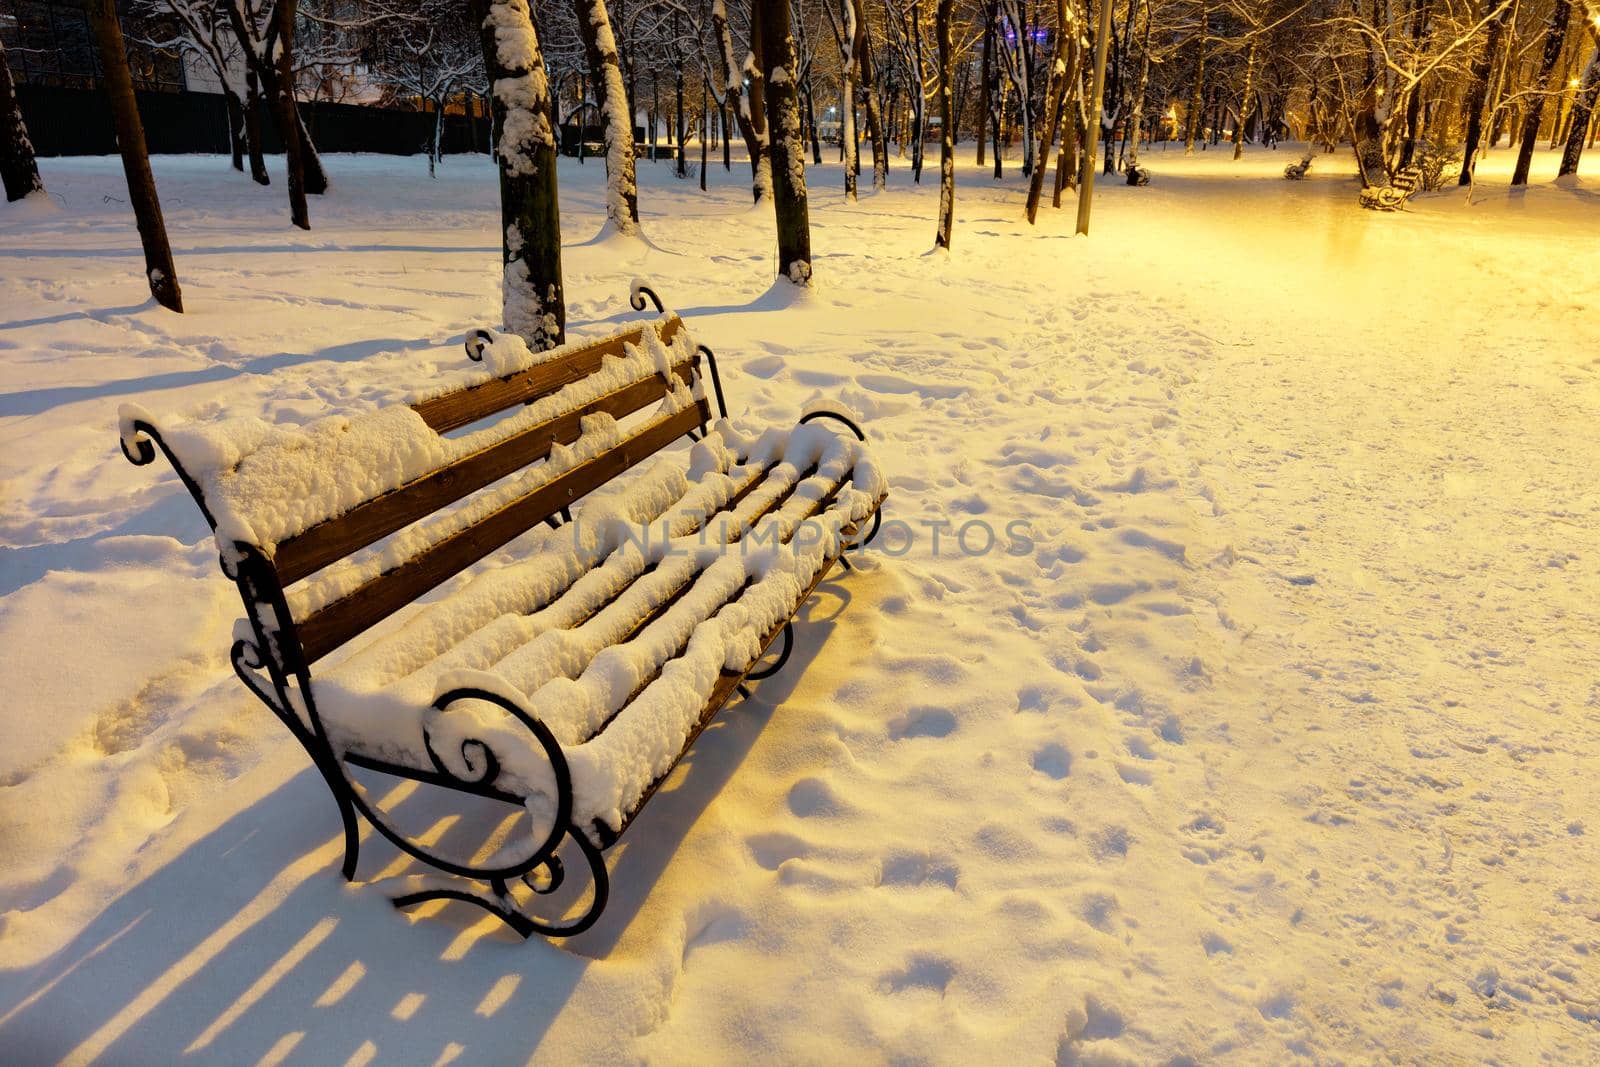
{"type": "Point", "coordinates": [1274, 742]}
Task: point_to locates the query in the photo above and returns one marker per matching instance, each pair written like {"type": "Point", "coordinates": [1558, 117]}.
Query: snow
{"type": "Point", "coordinates": [523, 93]}
{"type": "Point", "coordinates": [554, 630]}
{"type": "Point", "coordinates": [1277, 745]}
{"type": "Point", "coordinates": [265, 484]}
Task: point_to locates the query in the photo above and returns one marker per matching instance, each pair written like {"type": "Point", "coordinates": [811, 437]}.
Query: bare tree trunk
{"type": "Point", "coordinates": [252, 129]}
{"type": "Point", "coordinates": [1136, 117]}
{"type": "Point", "coordinates": [869, 84]}
{"type": "Point", "coordinates": [1197, 99]}
{"type": "Point", "coordinates": [682, 128]}
{"type": "Point", "coordinates": [1057, 89]}
{"type": "Point", "coordinates": [1248, 95]}
{"type": "Point", "coordinates": [705, 128]}
{"type": "Point", "coordinates": [118, 82]}
{"type": "Point", "coordinates": [775, 45]}
{"type": "Point", "coordinates": [311, 172]}
{"type": "Point", "coordinates": [19, 170]}
{"type": "Point", "coordinates": [532, 295]}
{"type": "Point", "coordinates": [987, 70]}
{"type": "Point", "coordinates": [947, 124]}
{"type": "Point", "coordinates": [289, 115]}
{"type": "Point", "coordinates": [1478, 96]}
{"type": "Point", "coordinates": [1555, 36]}
{"type": "Point", "coordinates": [1583, 106]}
{"type": "Point", "coordinates": [811, 125]}
{"type": "Point", "coordinates": [230, 100]}
{"type": "Point", "coordinates": [919, 103]}
{"type": "Point", "coordinates": [605, 70]}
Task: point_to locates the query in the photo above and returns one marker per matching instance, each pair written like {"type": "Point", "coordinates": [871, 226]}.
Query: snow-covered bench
{"type": "Point", "coordinates": [569, 676]}
{"type": "Point", "coordinates": [1297, 171]}
{"type": "Point", "coordinates": [1393, 197]}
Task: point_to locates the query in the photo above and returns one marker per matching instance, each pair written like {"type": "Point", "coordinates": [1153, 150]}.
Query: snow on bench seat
{"type": "Point", "coordinates": [625, 619]}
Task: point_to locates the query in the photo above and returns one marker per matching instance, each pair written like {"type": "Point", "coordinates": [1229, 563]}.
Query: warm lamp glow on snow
{"type": "Point", "coordinates": [1221, 687]}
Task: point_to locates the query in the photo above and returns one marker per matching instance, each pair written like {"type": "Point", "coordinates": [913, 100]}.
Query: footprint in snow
{"type": "Point", "coordinates": [922, 722]}
{"type": "Point", "coordinates": [921, 972]}
{"type": "Point", "coordinates": [917, 868]}
{"type": "Point", "coordinates": [1053, 760]}
{"type": "Point", "coordinates": [811, 797]}
{"type": "Point", "coordinates": [775, 849]}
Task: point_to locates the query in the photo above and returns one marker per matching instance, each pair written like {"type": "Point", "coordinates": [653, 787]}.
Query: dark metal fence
{"type": "Point", "coordinates": [76, 122]}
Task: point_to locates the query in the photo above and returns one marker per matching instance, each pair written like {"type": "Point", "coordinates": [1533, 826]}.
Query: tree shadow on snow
{"type": "Point", "coordinates": [248, 946]}
{"type": "Point", "coordinates": [36, 401]}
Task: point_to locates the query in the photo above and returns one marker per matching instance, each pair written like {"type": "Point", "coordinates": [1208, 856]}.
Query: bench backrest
{"type": "Point", "coordinates": [376, 518]}
{"type": "Point", "coordinates": [1407, 180]}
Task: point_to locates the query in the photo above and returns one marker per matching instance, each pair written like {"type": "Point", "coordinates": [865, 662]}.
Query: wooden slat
{"type": "Point", "coordinates": [375, 601]}
{"type": "Point", "coordinates": [466, 406]}
{"type": "Point", "coordinates": [381, 516]}
{"type": "Point", "coordinates": [725, 684]}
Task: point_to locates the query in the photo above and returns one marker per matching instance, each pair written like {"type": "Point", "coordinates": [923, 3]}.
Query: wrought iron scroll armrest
{"type": "Point", "coordinates": [482, 768]}
{"type": "Point", "coordinates": [837, 417]}
{"type": "Point", "coordinates": [475, 343]}
{"type": "Point", "coordinates": [636, 297]}
{"type": "Point", "coordinates": [145, 438]}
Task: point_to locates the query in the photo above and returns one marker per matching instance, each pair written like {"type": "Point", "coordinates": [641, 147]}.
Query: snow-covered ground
{"type": "Point", "coordinates": [1278, 742]}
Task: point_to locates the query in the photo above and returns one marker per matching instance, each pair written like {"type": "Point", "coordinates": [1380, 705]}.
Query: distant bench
{"type": "Point", "coordinates": [1393, 197]}
{"type": "Point", "coordinates": [569, 681]}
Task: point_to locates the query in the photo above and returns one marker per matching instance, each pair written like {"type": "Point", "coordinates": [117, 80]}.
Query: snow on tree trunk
{"type": "Point", "coordinates": [605, 67]}
{"type": "Point", "coordinates": [947, 122]}
{"type": "Point", "coordinates": [847, 128]}
{"type": "Point", "coordinates": [118, 83]}
{"type": "Point", "coordinates": [1059, 73]}
{"type": "Point", "coordinates": [776, 44]}
{"type": "Point", "coordinates": [1019, 68]}
{"type": "Point", "coordinates": [748, 101]}
{"type": "Point", "coordinates": [19, 171]}
{"type": "Point", "coordinates": [532, 297]}
{"type": "Point", "coordinates": [1555, 36]}
{"type": "Point", "coordinates": [1583, 106]}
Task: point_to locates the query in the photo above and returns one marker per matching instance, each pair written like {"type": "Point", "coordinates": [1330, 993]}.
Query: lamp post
{"type": "Point", "coordinates": [1086, 165]}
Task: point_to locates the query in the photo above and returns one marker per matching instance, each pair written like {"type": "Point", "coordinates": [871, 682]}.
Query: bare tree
{"type": "Point", "coordinates": [118, 83]}
{"type": "Point", "coordinates": [430, 57]}
{"type": "Point", "coordinates": [605, 69]}
{"type": "Point", "coordinates": [776, 44]}
{"type": "Point", "coordinates": [947, 125]}
{"type": "Point", "coordinates": [1555, 35]}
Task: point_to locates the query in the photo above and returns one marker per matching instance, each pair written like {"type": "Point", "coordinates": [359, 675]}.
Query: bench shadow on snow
{"type": "Point", "coordinates": [199, 964]}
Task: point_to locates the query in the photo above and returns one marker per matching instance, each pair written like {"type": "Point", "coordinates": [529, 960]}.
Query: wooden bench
{"type": "Point", "coordinates": [567, 682]}
{"type": "Point", "coordinates": [1393, 197]}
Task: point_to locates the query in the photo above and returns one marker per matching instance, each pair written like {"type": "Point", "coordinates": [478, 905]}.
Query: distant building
{"type": "Point", "coordinates": [48, 42]}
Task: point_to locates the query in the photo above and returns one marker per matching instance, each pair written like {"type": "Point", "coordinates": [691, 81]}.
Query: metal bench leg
{"type": "Point", "coordinates": [783, 657]}
{"type": "Point", "coordinates": [498, 900]}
